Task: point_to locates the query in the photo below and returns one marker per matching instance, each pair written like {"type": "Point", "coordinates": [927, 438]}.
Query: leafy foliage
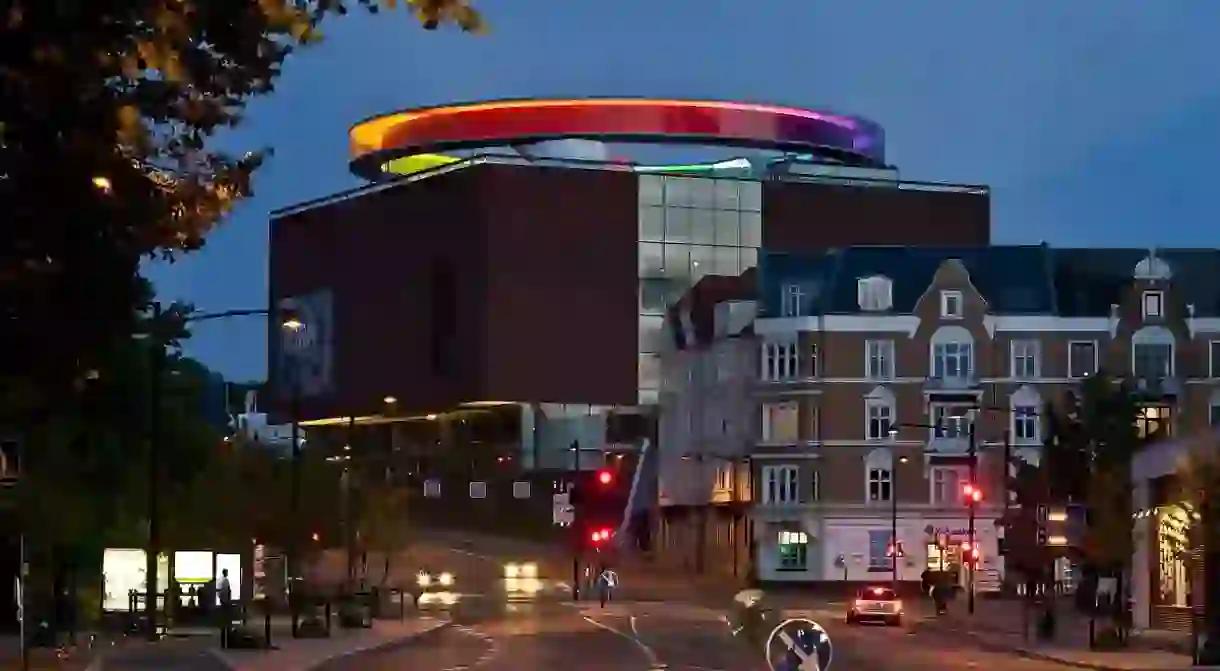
{"type": "Point", "coordinates": [107, 109]}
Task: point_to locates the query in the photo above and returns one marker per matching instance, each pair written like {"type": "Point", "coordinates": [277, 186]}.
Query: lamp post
{"type": "Point", "coordinates": [291, 325]}
{"type": "Point", "coordinates": [970, 502]}
{"type": "Point", "coordinates": [894, 506]}
{"type": "Point", "coordinates": [157, 336]}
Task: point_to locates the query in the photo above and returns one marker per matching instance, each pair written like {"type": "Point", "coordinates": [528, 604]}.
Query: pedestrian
{"type": "Point", "coordinates": [225, 592]}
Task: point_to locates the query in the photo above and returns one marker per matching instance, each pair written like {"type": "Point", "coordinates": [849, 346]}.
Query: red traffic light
{"type": "Point", "coordinates": [605, 477]}
{"type": "Point", "coordinates": [972, 493]}
{"type": "Point", "coordinates": [600, 535]}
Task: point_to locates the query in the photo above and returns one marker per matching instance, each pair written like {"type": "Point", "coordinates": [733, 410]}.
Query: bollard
{"type": "Point", "coordinates": [327, 611]}
{"type": "Point", "coordinates": [267, 625]}
{"type": "Point", "coordinates": [402, 605]}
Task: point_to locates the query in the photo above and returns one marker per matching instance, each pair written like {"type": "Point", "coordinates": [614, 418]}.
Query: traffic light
{"type": "Point", "coordinates": [604, 477]}
{"type": "Point", "coordinates": [889, 550]}
{"type": "Point", "coordinates": [972, 494]}
{"type": "Point", "coordinates": [600, 536]}
{"type": "Point", "coordinates": [970, 553]}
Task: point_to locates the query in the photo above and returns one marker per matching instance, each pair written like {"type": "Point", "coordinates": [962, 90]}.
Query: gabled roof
{"type": "Point", "coordinates": [1014, 279]}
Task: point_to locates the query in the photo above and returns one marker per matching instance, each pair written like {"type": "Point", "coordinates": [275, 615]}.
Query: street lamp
{"type": "Point", "coordinates": [291, 325]}
{"type": "Point", "coordinates": [894, 508]}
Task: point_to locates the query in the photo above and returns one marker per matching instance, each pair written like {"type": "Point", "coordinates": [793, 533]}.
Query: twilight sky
{"type": "Point", "coordinates": [1094, 121]}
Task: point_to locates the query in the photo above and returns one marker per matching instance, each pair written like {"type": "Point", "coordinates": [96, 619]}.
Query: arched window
{"type": "Point", "coordinates": [1026, 422]}
{"type": "Point", "coordinates": [952, 353]}
{"type": "Point", "coordinates": [1152, 353]}
{"type": "Point", "coordinates": [880, 409]}
{"type": "Point", "coordinates": [879, 475]}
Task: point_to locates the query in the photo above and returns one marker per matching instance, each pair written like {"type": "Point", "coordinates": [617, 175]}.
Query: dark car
{"type": "Point", "coordinates": [876, 604]}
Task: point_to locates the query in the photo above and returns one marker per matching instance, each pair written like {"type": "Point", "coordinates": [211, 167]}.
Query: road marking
{"type": "Point", "coordinates": [653, 661]}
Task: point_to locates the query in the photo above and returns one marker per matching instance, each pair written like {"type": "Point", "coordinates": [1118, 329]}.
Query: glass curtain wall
{"type": "Point", "coordinates": [688, 227]}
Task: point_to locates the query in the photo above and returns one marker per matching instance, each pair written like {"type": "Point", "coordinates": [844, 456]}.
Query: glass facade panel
{"type": "Point", "coordinates": [726, 194]}
{"type": "Point", "coordinates": [678, 191]}
{"type": "Point", "coordinates": [702, 193]}
{"type": "Point", "coordinates": [751, 229]}
{"type": "Point", "coordinates": [677, 261]}
{"type": "Point", "coordinates": [654, 296]}
{"type": "Point", "coordinates": [724, 261]}
{"type": "Point", "coordinates": [652, 259]}
{"type": "Point", "coordinates": [651, 189]}
{"type": "Point", "coordinates": [652, 223]}
{"type": "Point", "coordinates": [702, 260]}
{"type": "Point", "coordinates": [650, 371]}
{"type": "Point", "coordinates": [677, 224]}
{"type": "Point", "coordinates": [703, 227]}
{"type": "Point", "coordinates": [728, 228]}
{"type": "Point", "coordinates": [652, 333]}
{"type": "Point", "coordinates": [751, 196]}
{"type": "Point", "coordinates": [749, 258]}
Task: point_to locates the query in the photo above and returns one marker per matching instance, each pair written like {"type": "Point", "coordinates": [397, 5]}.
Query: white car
{"type": "Point", "coordinates": [876, 604]}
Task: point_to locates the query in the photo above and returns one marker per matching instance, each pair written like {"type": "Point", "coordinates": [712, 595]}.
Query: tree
{"type": "Point", "coordinates": [107, 111]}
{"type": "Point", "coordinates": [1198, 481]}
{"type": "Point", "coordinates": [383, 521]}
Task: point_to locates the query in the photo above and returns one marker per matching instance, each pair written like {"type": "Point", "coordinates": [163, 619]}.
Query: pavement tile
{"type": "Point", "coordinates": [303, 654]}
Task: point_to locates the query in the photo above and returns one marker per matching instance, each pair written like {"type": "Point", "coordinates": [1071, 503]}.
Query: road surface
{"type": "Point", "coordinates": [497, 629]}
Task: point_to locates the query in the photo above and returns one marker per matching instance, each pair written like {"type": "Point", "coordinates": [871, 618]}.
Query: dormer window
{"type": "Point", "coordinates": [875, 293]}
{"type": "Point", "coordinates": [951, 305]}
{"type": "Point", "coordinates": [1154, 304]}
{"type": "Point", "coordinates": [793, 298]}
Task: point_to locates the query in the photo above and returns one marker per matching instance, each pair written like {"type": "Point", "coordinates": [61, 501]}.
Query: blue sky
{"type": "Point", "coordinates": [1094, 121]}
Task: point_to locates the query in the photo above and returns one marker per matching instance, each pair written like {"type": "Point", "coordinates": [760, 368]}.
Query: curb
{"type": "Point", "coordinates": [319, 664]}
{"type": "Point", "coordinates": [1030, 653]}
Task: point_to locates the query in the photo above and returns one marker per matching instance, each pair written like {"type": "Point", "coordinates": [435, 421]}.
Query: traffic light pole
{"type": "Point", "coordinates": [974, 462]}
{"type": "Point", "coordinates": [577, 518]}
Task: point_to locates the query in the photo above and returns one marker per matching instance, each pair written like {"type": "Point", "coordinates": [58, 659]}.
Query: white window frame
{"type": "Point", "coordinates": [1071, 348]}
{"type": "Point", "coordinates": [1153, 304]}
{"type": "Point", "coordinates": [938, 354]}
{"type": "Point", "coordinates": [881, 351]}
{"type": "Point", "coordinates": [767, 432]}
{"type": "Point", "coordinates": [786, 479]}
{"type": "Point", "coordinates": [1025, 351]}
{"type": "Point", "coordinates": [813, 359]}
{"type": "Point", "coordinates": [790, 300]}
{"type": "Point", "coordinates": [1172, 356]}
{"type": "Point", "coordinates": [878, 405]}
{"type": "Point", "coordinates": [949, 299]}
{"type": "Point", "coordinates": [884, 482]}
{"type": "Point", "coordinates": [959, 423]}
{"type": "Point", "coordinates": [874, 293]}
{"type": "Point", "coordinates": [797, 538]}
{"type": "Point", "coordinates": [954, 495]}
{"type": "Point", "coordinates": [781, 361]}
{"type": "Point", "coordinates": [815, 486]}
{"type": "Point", "coordinates": [1213, 361]}
{"type": "Point", "coordinates": [1029, 415]}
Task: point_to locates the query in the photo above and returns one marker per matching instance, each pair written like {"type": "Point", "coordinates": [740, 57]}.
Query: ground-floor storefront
{"type": "Point", "coordinates": [811, 546]}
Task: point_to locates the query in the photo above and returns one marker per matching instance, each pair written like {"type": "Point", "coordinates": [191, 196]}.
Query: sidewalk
{"type": "Point", "coordinates": [1000, 625]}
{"type": "Point", "coordinates": [303, 654]}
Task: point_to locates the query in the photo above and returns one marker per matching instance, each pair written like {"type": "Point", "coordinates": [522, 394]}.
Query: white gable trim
{"type": "Point", "coordinates": [1203, 325]}
{"type": "Point", "coordinates": [1045, 324]}
{"type": "Point", "coordinates": [907, 324]}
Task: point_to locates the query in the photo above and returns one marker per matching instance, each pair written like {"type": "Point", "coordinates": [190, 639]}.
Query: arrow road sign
{"type": "Point", "coordinates": [799, 644]}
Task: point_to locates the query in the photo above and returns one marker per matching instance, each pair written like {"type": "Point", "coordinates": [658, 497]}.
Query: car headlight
{"type": "Point", "coordinates": [512, 571]}
{"type": "Point", "coordinates": [529, 570]}
{"type": "Point", "coordinates": [446, 579]}
{"type": "Point", "coordinates": [423, 579]}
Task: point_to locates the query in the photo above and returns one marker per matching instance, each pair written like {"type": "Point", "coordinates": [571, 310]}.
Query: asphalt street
{"type": "Point", "coordinates": [501, 625]}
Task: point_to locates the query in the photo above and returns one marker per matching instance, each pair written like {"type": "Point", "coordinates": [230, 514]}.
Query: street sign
{"type": "Point", "coordinates": [432, 488]}
{"type": "Point", "coordinates": [799, 644]}
{"type": "Point", "coordinates": [562, 512]}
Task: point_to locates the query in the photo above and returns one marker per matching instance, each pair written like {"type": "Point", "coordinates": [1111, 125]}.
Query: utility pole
{"type": "Point", "coordinates": [577, 517]}
{"type": "Point", "coordinates": [894, 524]}
{"type": "Point", "coordinates": [154, 472]}
{"type": "Point", "coordinates": [970, 502]}
{"type": "Point", "coordinates": [294, 524]}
